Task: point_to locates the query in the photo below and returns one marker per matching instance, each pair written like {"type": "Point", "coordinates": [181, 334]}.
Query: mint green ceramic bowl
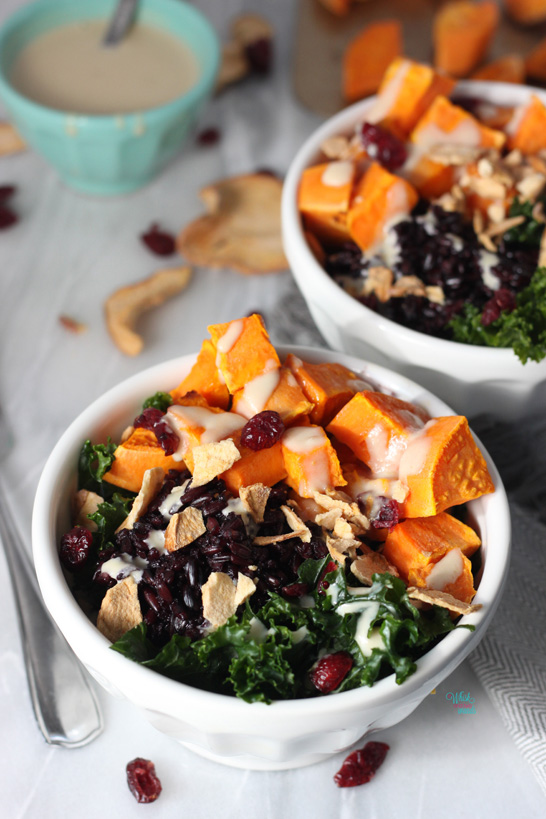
{"type": "Point", "coordinates": [108, 155]}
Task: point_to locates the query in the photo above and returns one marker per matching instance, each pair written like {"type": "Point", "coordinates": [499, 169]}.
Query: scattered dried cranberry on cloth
{"type": "Point", "coordinates": [143, 781]}
{"type": "Point", "coordinates": [158, 241]}
{"type": "Point", "coordinates": [361, 766]}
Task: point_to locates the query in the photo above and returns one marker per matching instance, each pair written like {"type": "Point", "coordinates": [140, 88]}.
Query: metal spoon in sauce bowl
{"type": "Point", "coordinates": [121, 21]}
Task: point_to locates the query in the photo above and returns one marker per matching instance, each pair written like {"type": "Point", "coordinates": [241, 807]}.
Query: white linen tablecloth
{"type": "Point", "coordinates": [64, 257]}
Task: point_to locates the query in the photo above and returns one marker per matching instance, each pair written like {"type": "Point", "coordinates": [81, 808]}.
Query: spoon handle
{"type": "Point", "coordinates": [65, 706]}
{"type": "Point", "coordinates": [120, 22]}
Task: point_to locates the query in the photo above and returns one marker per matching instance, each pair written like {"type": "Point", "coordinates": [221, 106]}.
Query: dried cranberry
{"type": "Point", "coordinates": [260, 54]}
{"type": "Point", "coordinates": [143, 781]}
{"type": "Point", "coordinates": [502, 299]}
{"type": "Point", "coordinates": [361, 765]}
{"type": "Point", "coordinates": [262, 431]}
{"type": "Point", "coordinates": [7, 217]}
{"type": "Point", "coordinates": [153, 419]}
{"type": "Point", "coordinates": [208, 136]}
{"type": "Point", "coordinates": [385, 513]}
{"type": "Point", "coordinates": [6, 191]}
{"type": "Point", "coordinates": [323, 584]}
{"type": "Point", "coordinates": [330, 671]}
{"type": "Point", "coordinates": [383, 146]}
{"type": "Point", "coordinates": [75, 548]}
{"type": "Point", "coordinates": [295, 590]}
{"type": "Point", "coordinates": [159, 242]}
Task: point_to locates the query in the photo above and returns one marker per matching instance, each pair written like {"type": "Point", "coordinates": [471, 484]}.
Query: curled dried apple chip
{"type": "Point", "coordinates": [124, 307]}
{"type": "Point", "coordinates": [242, 229]}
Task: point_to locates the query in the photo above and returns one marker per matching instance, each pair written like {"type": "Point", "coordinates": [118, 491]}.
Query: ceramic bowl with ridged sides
{"type": "Point", "coordinates": [111, 154]}
{"type": "Point", "coordinates": [285, 734]}
{"type": "Point", "coordinates": [471, 379]}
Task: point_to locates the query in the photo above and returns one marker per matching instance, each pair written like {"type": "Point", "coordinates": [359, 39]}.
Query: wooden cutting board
{"type": "Point", "coordinates": [321, 38]}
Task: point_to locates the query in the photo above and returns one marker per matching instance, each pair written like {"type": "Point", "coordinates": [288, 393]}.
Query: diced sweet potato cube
{"type": "Point", "coordinates": [379, 197]}
{"type": "Point", "coordinates": [262, 466]}
{"type": "Point", "coordinates": [446, 122]}
{"type": "Point", "coordinates": [243, 350]}
{"type": "Point", "coordinates": [278, 391]}
{"type": "Point", "coordinates": [330, 229]}
{"type": "Point", "coordinates": [416, 544]}
{"type": "Point", "coordinates": [527, 128]}
{"type": "Point", "coordinates": [201, 425]}
{"type": "Point", "coordinates": [338, 7]}
{"type": "Point", "coordinates": [377, 427]}
{"type": "Point", "coordinates": [432, 179]}
{"type": "Point", "coordinates": [451, 574]}
{"type": "Point", "coordinates": [535, 62]}
{"type": "Point", "coordinates": [443, 467]}
{"type": "Point", "coordinates": [510, 68]}
{"type": "Point", "coordinates": [407, 90]}
{"type": "Point", "coordinates": [323, 199]}
{"type": "Point", "coordinates": [204, 379]}
{"type": "Point", "coordinates": [328, 386]}
{"type": "Point", "coordinates": [310, 461]}
{"type": "Point", "coordinates": [326, 188]}
{"type": "Point", "coordinates": [134, 456]}
{"type": "Point", "coordinates": [526, 11]}
{"type": "Point", "coordinates": [368, 56]}
{"type": "Point", "coordinates": [462, 32]}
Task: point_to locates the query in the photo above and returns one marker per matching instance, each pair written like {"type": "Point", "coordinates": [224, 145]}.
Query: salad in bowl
{"type": "Point", "coordinates": [280, 527]}
{"type": "Point", "coordinates": [413, 222]}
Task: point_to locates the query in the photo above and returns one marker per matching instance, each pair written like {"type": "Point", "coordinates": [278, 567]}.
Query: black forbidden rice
{"type": "Point", "coordinates": [442, 250]}
{"type": "Point", "coordinates": [170, 588]}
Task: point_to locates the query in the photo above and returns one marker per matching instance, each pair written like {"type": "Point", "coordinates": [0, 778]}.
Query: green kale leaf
{"type": "Point", "coordinates": [530, 231]}
{"type": "Point", "coordinates": [524, 329]}
{"type": "Point", "coordinates": [94, 461]}
{"type": "Point", "coordinates": [161, 401]}
{"type": "Point", "coordinates": [269, 654]}
{"type": "Point", "coordinates": [108, 517]}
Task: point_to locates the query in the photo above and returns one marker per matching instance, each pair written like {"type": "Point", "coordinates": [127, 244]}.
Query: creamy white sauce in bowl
{"type": "Point", "coordinates": [69, 69]}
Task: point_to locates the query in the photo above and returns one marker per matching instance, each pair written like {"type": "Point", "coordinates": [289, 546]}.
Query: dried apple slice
{"type": "Point", "coordinates": [242, 229]}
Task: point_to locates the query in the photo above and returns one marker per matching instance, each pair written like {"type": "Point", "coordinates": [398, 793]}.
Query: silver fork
{"type": "Point", "coordinates": [65, 705]}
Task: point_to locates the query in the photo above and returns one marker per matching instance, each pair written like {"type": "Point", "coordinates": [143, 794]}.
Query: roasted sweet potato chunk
{"type": "Point", "coordinates": [379, 196]}
{"type": "Point", "coordinates": [134, 456]}
{"type": "Point", "coordinates": [527, 128]}
{"type": "Point", "coordinates": [279, 392]}
{"type": "Point", "coordinates": [526, 12]}
{"type": "Point", "coordinates": [204, 379]}
{"type": "Point", "coordinates": [416, 546]}
{"type": "Point", "coordinates": [243, 350]}
{"type": "Point", "coordinates": [368, 56]}
{"type": "Point", "coordinates": [310, 460]}
{"type": "Point", "coordinates": [446, 122]}
{"type": "Point", "coordinates": [510, 68]}
{"type": "Point", "coordinates": [443, 467]}
{"type": "Point", "coordinates": [462, 33]}
{"type": "Point", "coordinates": [407, 90]}
{"type": "Point", "coordinates": [377, 428]}
{"type": "Point", "coordinates": [265, 466]}
{"type": "Point", "coordinates": [328, 386]}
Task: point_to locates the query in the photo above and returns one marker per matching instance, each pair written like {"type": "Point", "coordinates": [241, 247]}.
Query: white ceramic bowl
{"type": "Point", "coordinates": [471, 379]}
{"type": "Point", "coordinates": [286, 734]}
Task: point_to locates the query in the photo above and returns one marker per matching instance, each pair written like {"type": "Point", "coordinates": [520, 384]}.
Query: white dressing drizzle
{"type": "Point", "coordinates": [124, 565]}
{"type": "Point", "coordinates": [216, 425]}
{"type": "Point", "coordinates": [256, 393]}
{"type": "Point", "coordinates": [446, 571]}
{"type": "Point", "coordinates": [337, 174]}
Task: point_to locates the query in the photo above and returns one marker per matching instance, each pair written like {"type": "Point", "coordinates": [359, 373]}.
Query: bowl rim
{"type": "Point", "coordinates": [87, 640]}
{"type": "Point", "coordinates": [56, 116]}
{"type": "Point", "coordinates": [295, 242]}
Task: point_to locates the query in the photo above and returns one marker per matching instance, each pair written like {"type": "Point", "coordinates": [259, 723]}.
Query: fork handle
{"type": "Point", "coordinates": [65, 705]}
